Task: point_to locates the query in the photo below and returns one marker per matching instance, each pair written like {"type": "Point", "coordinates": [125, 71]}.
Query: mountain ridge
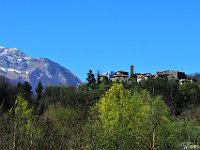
{"type": "Point", "coordinates": [17, 66]}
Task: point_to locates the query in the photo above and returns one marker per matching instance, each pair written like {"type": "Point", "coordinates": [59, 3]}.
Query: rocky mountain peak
{"type": "Point", "coordinates": [17, 66]}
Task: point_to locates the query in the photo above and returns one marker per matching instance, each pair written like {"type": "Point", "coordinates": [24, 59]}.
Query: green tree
{"type": "Point", "coordinates": [61, 130]}
{"type": "Point", "coordinates": [190, 95]}
{"type": "Point", "coordinates": [113, 116]}
{"type": "Point", "coordinates": [168, 89]}
{"type": "Point", "coordinates": [24, 133]}
{"type": "Point", "coordinates": [25, 89]}
{"type": "Point", "coordinates": [91, 78]}
{"type": "Point", "coordinates": [6, 131]}
{"type": "Point", "coordinates": [39, 90]}
{"type": "Point", "coordinates": [187, 133]}
{"type": "Point", "coordinates": [129, 119]}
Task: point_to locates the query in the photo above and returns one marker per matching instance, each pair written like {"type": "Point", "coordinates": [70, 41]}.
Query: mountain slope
{"type": "Point", "coordinates": [17, 66]}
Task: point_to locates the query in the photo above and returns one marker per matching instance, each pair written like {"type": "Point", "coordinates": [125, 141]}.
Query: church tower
{"type": "Point", "coordinates": [132, 71]}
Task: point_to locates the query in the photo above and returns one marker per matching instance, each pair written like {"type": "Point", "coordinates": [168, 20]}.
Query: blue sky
{"type": "Point", "coordinates": [105, 35]}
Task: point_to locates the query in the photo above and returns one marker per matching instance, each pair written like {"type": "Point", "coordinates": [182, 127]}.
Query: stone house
{"type": "Point", "coordinates": [143, 77]}
{"type": "Point", "coordinates": [172, 74]}
{"type": "Point", "coordinates": [120, 76]}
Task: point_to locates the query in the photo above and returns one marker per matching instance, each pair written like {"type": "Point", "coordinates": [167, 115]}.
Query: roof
{"type": "Point", "coordinates": [121, 72]}
{"type": "Point", "coordinates": [140, 76]}
{"type": "Point", "coordinates": [168, 71]}
{"type": "Point", "coordinates": [114, 76]}
{"type": "Point", "coordinates": [100, 75]}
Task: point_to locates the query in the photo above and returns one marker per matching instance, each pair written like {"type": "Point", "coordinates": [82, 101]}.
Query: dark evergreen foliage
{"type": "Point", "coordinates": [39, 90]}
{"type": "Point", "coordinates": [91, 79]}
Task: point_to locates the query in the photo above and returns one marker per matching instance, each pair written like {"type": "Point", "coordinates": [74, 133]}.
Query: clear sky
{"type": "Point", "coordinates": [107, 34]}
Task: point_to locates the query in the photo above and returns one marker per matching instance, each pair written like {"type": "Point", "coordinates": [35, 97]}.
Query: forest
{"type": "Point", "coordinates": [158, 114]}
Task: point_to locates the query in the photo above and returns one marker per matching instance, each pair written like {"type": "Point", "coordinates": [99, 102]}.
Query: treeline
{"type": "Point", "coordinates": [156, 114]}
{"type": "Point", "coordinates": [178, 98]}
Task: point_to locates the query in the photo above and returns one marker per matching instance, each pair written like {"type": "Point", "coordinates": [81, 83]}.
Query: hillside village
{"type": "Point", "coordinates": [122, 75]}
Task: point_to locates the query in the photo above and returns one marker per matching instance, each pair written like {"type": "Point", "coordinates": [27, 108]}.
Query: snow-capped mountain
{"type": "Point", "coordinates": [19, 67]}
{"type": "Point", "coordinates": [109, 73]}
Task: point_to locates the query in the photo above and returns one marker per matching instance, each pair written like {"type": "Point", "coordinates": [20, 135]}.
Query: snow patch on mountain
{"type": "Point", "coordinates": [3, 69]}
{"type": "Point", "coordinates": [109, 73]}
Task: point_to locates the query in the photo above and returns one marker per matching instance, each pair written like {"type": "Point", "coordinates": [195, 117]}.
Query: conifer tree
{"type": "Point", "coordinates": [91, 78]}
{"type": "Point", "coordinates": [39, 90]}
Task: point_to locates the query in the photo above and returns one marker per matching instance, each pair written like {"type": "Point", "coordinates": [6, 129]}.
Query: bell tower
{"type": "Point", "coordinates": [131, 71]}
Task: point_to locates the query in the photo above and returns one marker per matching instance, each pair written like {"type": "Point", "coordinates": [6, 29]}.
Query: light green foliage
{"type": "Point", "coordinates": [22, 112]}
{"type": "Point", "coordinates": [113, 117]}
{"type": "Point", "coordinates": [188, 132]}
{"type": "Point", "coordinates": [130, 119]}
{"type": "Point", "coordinates": [62, 132]}
{"type": "Point", "coordinates": [25, 132]}
{"type": "Point", "coordinates": [167, 136]}
{"type": "Point", "coordinates": [113, 108]}
{"type": "Point", "coordinates": [61, 117]}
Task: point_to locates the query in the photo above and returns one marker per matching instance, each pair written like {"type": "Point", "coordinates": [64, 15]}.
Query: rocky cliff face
{"type": "Point", "coordinates": [19, 67]}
